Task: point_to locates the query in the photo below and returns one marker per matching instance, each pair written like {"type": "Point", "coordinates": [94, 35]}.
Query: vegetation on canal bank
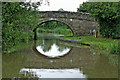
{"type": "Point", "coordinates": [18, 18]}
{"type": "Point", "coordinates": [65, 32]}
{"type": "Point", "coordinates": [20, 46]}
{"type": "Point", "coordinates": [111, 45]}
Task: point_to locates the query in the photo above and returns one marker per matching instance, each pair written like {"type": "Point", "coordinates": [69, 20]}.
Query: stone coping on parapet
{"type": "Point", "coordinates": [64, 12]}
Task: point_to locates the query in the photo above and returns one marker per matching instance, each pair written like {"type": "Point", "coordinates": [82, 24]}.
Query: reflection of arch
{"type": "Point", "coordinates": [37, 53]}
{"type": "Point", "coordinates": [45, 21]}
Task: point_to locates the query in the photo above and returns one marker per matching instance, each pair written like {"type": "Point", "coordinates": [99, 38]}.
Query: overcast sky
{"type": "Point", "coordinates": [67, 5]}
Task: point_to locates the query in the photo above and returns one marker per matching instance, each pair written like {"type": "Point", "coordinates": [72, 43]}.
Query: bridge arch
{"type": "Point", "coordinates": [80, 23]}
{"type": "Point", "coordinates": [45, 21]}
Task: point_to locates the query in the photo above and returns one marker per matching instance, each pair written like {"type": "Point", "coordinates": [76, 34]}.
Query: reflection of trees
{"type": "Point", "coordinates": [61, 46]}
{"type": "Point", "coordinates": [46, 44]}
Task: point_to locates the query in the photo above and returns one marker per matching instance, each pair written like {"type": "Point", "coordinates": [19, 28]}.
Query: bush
{"type": "Point", "coordinates": [114, 48]}
{"type": "Point", "coordinates": [109, 29]}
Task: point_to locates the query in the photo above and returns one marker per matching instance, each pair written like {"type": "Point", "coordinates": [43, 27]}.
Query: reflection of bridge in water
{"type": "Point", "coordinates": [52, 53]}
{"type": "Point", "coordinates": [75, 58]}
{"type": "Point", "coordinates": [72, 58]}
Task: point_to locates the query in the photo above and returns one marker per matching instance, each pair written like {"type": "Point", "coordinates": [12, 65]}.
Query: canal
{"type": "Point", "coordinates": [48, 57]}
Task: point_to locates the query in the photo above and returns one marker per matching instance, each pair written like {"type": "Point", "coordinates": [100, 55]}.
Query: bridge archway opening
{"type": "Point", "coordinates": [53, 26]}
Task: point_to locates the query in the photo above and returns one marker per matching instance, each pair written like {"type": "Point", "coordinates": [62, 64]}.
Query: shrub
{"type": "Point", "coordinates": [114, 48]}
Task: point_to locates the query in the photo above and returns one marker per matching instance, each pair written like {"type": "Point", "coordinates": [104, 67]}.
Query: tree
{"type": "Point", "coordinates": [61, 9]}
{"type": "Point", "coordinates": [16, 17]}
{"type": "Point", "coordinates": [107, 14]}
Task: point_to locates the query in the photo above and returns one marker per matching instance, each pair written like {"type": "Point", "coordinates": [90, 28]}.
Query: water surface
{"type": "Point", "coordinates": [49, 57]}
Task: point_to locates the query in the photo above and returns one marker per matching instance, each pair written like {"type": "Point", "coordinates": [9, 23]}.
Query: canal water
{"type": "Point", "coordinates": [48, 57]}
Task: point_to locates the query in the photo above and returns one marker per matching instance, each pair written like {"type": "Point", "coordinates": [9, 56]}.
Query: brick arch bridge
{"type": "Point", "coordinates": [80, 23]}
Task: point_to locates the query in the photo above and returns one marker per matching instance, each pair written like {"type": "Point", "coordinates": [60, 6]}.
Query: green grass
{"type": "Point", "coordinates": [97, 43]}
{"type": "Point", "coordinates": [66, 32]}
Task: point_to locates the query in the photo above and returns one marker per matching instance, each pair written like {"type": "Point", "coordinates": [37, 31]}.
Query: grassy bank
{"type": "Point", "coordinates": [59, 30]}
{"type": "Point", "coordinates": [111, 45]}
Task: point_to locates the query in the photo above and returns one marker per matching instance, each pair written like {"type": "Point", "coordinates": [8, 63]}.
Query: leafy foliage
{"type": "Point", "coordinates": [114, 48]}
{"type": "Point", "coordinates": [107, 14]}
{"type": "Point", "coordinates": [18, 19]}
{"type": "Point", "coordinates": [53, 24]}
{"type": "Point", "coordinates": [61, 9]}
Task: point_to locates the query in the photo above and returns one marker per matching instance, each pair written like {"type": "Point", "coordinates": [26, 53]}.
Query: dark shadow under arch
{"type": "Point", "coordinates": [34, 30]}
